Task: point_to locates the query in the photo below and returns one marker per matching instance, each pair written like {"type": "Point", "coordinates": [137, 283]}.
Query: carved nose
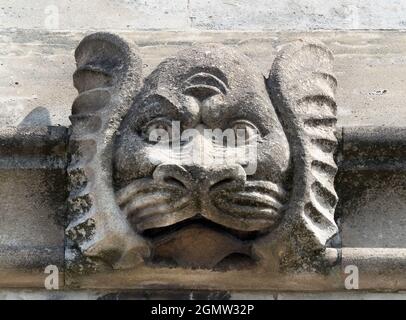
{"type": "Point", "coordinates": [172, 174]}
{"type": "Point", "coordinates": [220, 178]}
{"type": "Point", "coordinates": [201, 178]}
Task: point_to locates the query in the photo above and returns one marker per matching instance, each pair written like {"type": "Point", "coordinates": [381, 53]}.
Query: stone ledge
{"type": "Point", "coordinates": [48, 144]}
{"type": "Point", "coordinates": [373, 149]}
{"type": "Point", "coordinates": [380, 269]}
{"type": "Point", "coordinates": [48, 140]}
{"type": "Point", "coordinates": [38, 294]}
{"type": "Point", "coordinates": [361, 148]}
{"type": "Point", "coordinates": [33, 147]}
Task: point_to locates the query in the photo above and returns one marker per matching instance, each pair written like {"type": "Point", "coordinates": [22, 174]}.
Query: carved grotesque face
{"type": "Point", "coordinates": [206, 208]}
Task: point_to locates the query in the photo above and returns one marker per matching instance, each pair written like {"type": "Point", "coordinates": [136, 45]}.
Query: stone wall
{"type": "Point", "coordinates": [36, 95]}
{"type": "Point", "coordinates": [36, 84]}
{"type": "Point", "coordinates": [191, 15]}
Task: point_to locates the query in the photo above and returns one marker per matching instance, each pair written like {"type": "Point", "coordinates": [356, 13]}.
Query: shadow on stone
{"type": "Point", "coordinates": [37, 117]}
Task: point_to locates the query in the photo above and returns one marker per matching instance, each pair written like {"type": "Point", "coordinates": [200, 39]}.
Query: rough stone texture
{"type": "Point", "coordinates": [33, 198]}
{"type": "Point", "coordinates": [348, 295]}
{"type": "Point", "coordinates": [30, 235]}
{"type": "Point", "coordinates": [205, 15]}
{"type": "Point", "coordinates": [36, 69]}
{"type": "Point", "coordinates": [204, 88]}
{"type": "Point", "coordinates": [372, 187]}
{"type": "Point", "coordinates": [374, 214]}
{"type": "Point", "coordinates": [366, 156]}
{"type": "Point", "coordinates": [170, 194]}
{"type": "Point", "coordinates": [378, 269]}
{"type": "Point", "coordinates": [35, 90]}
{"type": "Point", "coordinates": [108, 73]}
{"type": "Point", "coordinates": [195, 295]}
{"type": "Point", "coordinates": [376, 262]}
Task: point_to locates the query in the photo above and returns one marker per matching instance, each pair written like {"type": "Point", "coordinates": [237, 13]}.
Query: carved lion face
{"type": "Point", "coordinates": [193, 168]}
{"type": "Point", "coordinates": [207, 88]}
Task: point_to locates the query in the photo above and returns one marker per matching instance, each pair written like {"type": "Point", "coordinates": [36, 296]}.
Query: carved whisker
{"type": "Point", "coordinates": [163, 205]}
{"type": "Point", "coordinates": [158, 208]}
{"type": "Point", "coordinates": [256, 199]}
{"type": "Point", "coordinates": [145, 200]}
{"type": "Point", "coordinates": [162, 215]}
{"type": "Point", "coordinates": [267, 187]}
{"type": "Point", "coordinates": [247, 211]}
{"type": "Point", "coordinates": [125, 194]}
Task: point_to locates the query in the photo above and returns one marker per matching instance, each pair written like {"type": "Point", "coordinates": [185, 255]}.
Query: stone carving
{"type": "Point", "coordinates": [135, 201]}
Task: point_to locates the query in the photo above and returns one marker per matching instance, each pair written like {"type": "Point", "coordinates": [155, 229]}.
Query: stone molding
{"type": "Point", "coordinates": [111, 254]}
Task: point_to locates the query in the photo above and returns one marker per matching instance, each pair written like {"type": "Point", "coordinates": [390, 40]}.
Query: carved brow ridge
{"type": "Point", "coordinates": [203, 85]}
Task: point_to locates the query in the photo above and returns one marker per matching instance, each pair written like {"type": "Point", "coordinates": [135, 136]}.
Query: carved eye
{"type": "Point", "coordinates": [245, 131]}
{"type": "Point", "coordinates": [158, 130]}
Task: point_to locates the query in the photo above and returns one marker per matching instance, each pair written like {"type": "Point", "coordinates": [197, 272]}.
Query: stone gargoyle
{"type": "Point", "coordinates": [135, 201]}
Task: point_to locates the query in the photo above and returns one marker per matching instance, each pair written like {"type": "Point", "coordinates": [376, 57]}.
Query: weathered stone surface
{"type": "Point", "coordinates": [372, 209]}
{"type": "Point", "coordinates": [273, 210]}
{"type": "Point", "coordinates": [195, 295]}
{"type": "Point", "coordinates": [378, 269]}
{"type": "Point", "coordinates": [33, 209]}
{"type": "Point", "coordinates": [36, 68]}
{"type": "Point", "coordinates": [33, 203]}
{"type": "Point", "coordinates": [348, 295]}
{"type": "Point", "coordinates": [203, 15]}
{"type": "Point", "coordinates": [36, 249]}
{"type": "Point", "coordinates": [372, 186]}
{"type": "Point", "coordinates": [374, 149]}
{"type": "Point", "coordinates": [33, 147]}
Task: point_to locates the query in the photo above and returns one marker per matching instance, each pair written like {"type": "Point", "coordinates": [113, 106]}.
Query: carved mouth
{"type": "Point", "coordinates": [160, 232]}
{"type": "Point", "coordinates": [257, 207]}
{"type": "Point", "coordinates": [147, 205]}
{"type": "Point", "coordinates": [200, 243]}
{"type": "Point", "coordinates": [211, 231]}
